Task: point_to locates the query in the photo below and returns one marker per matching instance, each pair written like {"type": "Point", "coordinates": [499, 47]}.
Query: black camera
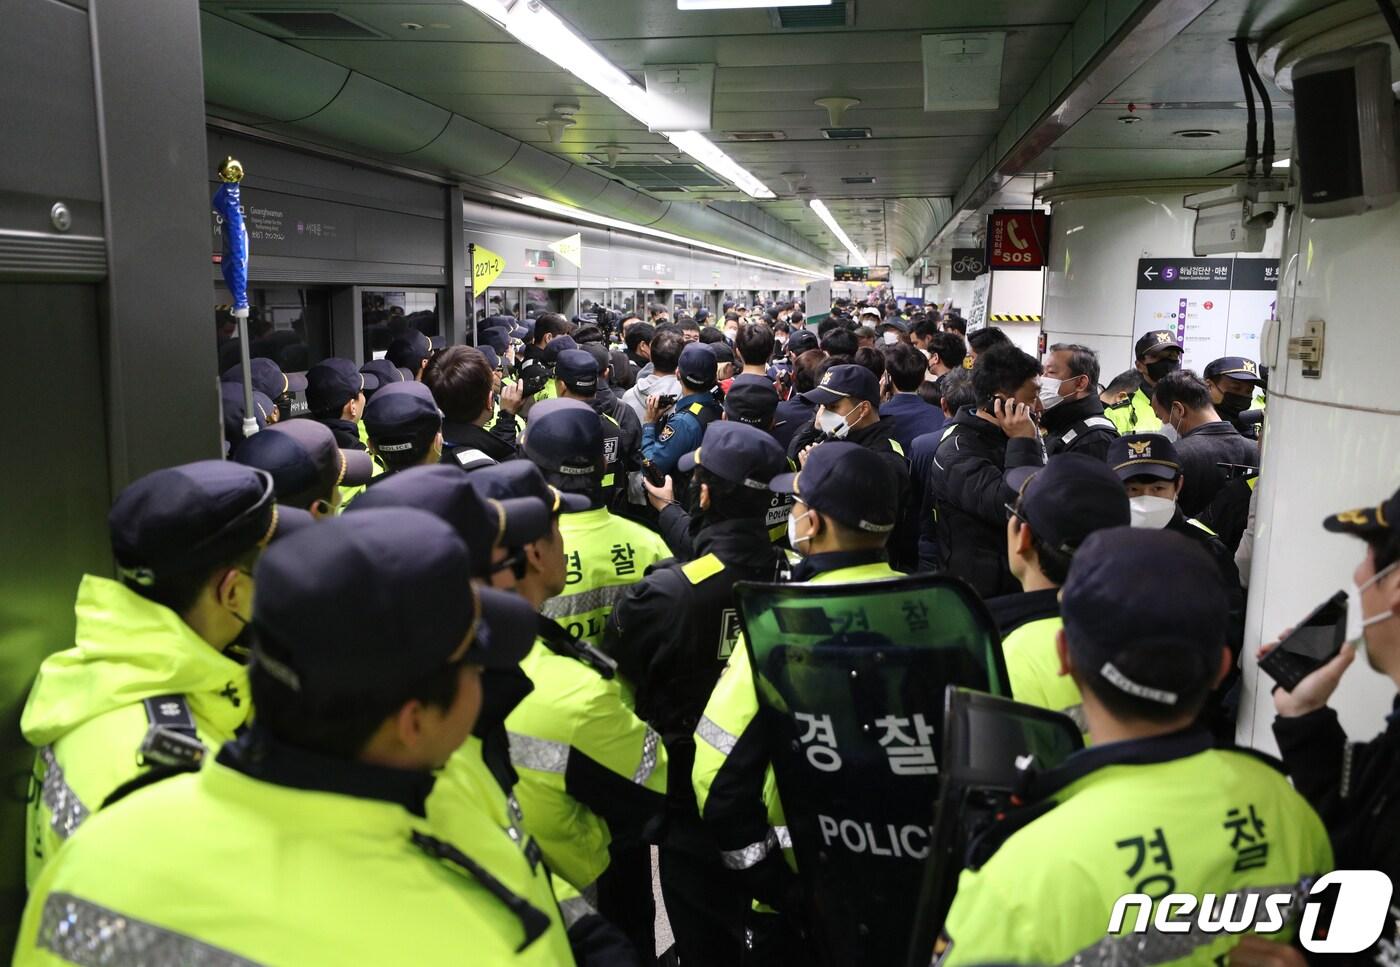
{"type": "Point", "coordinates": [532, 375]}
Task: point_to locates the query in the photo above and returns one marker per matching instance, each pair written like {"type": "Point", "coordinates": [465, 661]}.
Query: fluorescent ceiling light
{"type": "Point", "coordinates": [746, 4]}
{"type": "Point", "coordinates": [703, 150]}
{"type": "Point", "coordinates": [825, 215]}
{"type": "Point", "coordinates": [535, 25]}
{"type": "Point", "coordinates": [554, 207]}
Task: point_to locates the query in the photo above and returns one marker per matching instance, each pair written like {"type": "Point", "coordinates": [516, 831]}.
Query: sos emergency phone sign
{"type": "Point", "coordinates": [1017, 239]}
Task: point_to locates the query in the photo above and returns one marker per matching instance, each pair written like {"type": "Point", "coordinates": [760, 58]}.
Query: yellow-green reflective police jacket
{"type": "Point", "coordinates": [589, 769]}
{"type": "Point", "coordinates": [86, 715]}
{"type": "Point", "coordinates": [604, 555]}
{"type": "Point", "coordinates": [1033, 665]}
{"type": "Point", "coordinates": [733, 779]}
{"type": "Point", "coordinates": [1134, 416]}
{"type": "Point", "coordinates": [224, 870]}
{"type": "Point", "coordinates": [1155, 816]}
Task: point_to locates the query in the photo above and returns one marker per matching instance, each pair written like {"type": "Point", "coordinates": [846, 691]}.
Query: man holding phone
{"type": "Point", "coordinates": [1354, 786]}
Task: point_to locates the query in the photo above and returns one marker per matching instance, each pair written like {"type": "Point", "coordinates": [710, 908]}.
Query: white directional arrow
{"type": "Point", "coordinates": [1149, 273]}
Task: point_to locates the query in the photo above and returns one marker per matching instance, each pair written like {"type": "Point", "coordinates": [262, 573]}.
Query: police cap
{"type": "Point", "coordinates": [409, 349]}
{"type": "Point", "coordinates": [1157, 339]}
{"type": "Point", "coordinates": [304, 461]}
{"type": "Point", "coordinates": [447, 493]}
{"type": "Point", "coordinates": [723, 352]}
{"type": "Point", "coordinates": [847, 381]}
{"type": "Point", "coordinates": [333, 382]}
{"type": "Point", "coordinates": [751, 399]}
{"type": "Point", "coordinates": [578, 370]}
{"type": "Point", "coordinates": [1367, 521]}
{"type": "Point", "coordinates": [403, 418]}
{"type": "Point", "coordinates": [738, 453]}
{"type": "Point", "coordinates": [179, 520]}
{"type": "Point", "coordinates": [1119, 631]}
{"type": "Point", "coordinates": [1069, 498]}
{"type": "Point", "coordinates": [556, 346]}
{"type": "Point", "coordinates": [496, 339]}
{"type": "Point", "coordinates": [565, 437]}
{"type": "Point", "coordinates": [232, 396]}
{"type": "Point", "coordinates": [847, 483]}
{"type": "Point", "coordinates": [268, 378]}
{"type": "Point", "coordinates": [802, 340]}
{"type": "Point", "coordinates": [512, 327]}
{"type": "Point", "coordinates": [697, 366]}
{"type": "Point", "coordinates": [1237, 367]}
{"type": "Point", "coordinates": [385, 373]}
{"type": "Point", "coordinates": [521, 479]}
{"type": "Point", "coordinates": [1144, 455]}
{"type": "Point", "coordinates": [489, 353]}
{"type": "Point", "coordinates": [411, 620]}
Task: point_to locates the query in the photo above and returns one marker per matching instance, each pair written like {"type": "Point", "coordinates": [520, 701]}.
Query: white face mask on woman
{"type": "Point", "coordinates": [1151, 513]}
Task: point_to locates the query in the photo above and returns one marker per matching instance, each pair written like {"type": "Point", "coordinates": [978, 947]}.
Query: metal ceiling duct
{"type": "Point", "coordinates": [286, 90]}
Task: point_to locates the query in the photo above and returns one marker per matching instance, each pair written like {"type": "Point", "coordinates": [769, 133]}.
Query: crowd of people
{"type": "Point", "coordinates": [441, 665]}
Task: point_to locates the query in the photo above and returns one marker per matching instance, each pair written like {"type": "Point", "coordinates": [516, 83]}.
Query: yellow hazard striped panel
{"type": "Point", "coordinates": [1011, 317]}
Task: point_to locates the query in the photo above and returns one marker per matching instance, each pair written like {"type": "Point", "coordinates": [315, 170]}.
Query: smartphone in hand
{"type": "Point", "coordinates": [1313, 643]}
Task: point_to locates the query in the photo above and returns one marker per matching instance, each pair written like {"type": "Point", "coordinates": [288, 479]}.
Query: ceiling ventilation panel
{"type": "Point", "coordinates": [308, 24]}
{"type": "Point", "coordinates": [838, 14]}
{"type": "Point", "coordinates": [846, 134]}
{"type": "Point", "coordinates": [859, 180]}
{"type": "Point", "coordinates": [755, 135]}
{"type": "Point", "coordinates": [962, 72]}
{"type": "Point", "coordinates": [663, 177]}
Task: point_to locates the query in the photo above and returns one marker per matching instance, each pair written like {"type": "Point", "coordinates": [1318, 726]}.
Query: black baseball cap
{"type": "Point", "coordinates": [232, 396]}
{"type": "Point", "coordinates": [802, 340]}
{"type": "Point", "coordinates": [751, 399]}
{"type": "Point", "coordinates": [333, 382]}
{"type": "Point", "coordinates": [521, 479]}
{"type": "Point", "coordinates": [893, 322]}
{"type": "Point", "coordinates": [1069, 498]}
{"type": "Point", "coordinates": [483, 522]}
{"type": "Point", "coordinates": [723, 352]}
{"type": "Point", "coordinates": [1144, 612]}
{"type": "Point", "coordinates": [180, 519]}
{"type": "Point", "coordinates": [304, 461]}
{"type": "Point", "coordinates": [1367, 521]}
{"type": "Point", "coordinates": [385, 373]}
{"type": "Point", "coordinates": [1144, 455]}
{"type": "Point", "coordinates": [738, 453]}
{"type": "Point", "coordinates": [1238, 367]}
{"type": "Point", "coordinates": [556, 346]}
{"type": "Point", "coordinates": [601, 356]}
{"type": "Point", "coordinates": [846, 482]}
{"type": "Point", "coordinates": [578, 370]}
{"type": "Point", "coordinates": [268, 378]}
{"type": "Point", "coordinates": [1155, 340]}
{"type": "Point", "coordinates": [497, 339]}
{"type": "Point", "coordinates": [697, 367]}
{"type": "Point", "coordinates": [702, 314]}
{"type": "Point", "coordinates": [847, 381]}
{"type": "Point", "coordinates": [409, 621]}
{"type": "Point", "coordinates": [403, 418]}
{"type": "Point", "coordinates": [565, 437]}
{"type": "Point", "coordinates": [409, 349]}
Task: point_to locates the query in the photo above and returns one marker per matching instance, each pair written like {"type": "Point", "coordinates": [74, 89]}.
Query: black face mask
{"type": "Point", "coordinates": [1155, 371]}
{"type": "Point", "coordinates": [1234, 404]}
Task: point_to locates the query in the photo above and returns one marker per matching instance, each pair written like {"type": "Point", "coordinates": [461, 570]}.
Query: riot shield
{"type": "Point", "coordinates": [850, 681]}
{"type": "Point", "coordinates": [991, 746]}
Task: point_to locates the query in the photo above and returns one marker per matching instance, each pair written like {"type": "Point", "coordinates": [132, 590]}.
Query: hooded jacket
{"type": "Point", "coordinates": [86, 715]}
{"type": "Point", "coordinates": [648, 384]}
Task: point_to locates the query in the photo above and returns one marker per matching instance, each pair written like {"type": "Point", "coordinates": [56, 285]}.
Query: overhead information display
{"type": "Point", "coordinates": [1218, 307]}
{"type": "Point", "coordinates": [860, 273]}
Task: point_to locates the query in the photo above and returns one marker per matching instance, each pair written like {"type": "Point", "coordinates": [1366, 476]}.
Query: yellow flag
{"type": "Point", "coordinates": [486, 266]}
{"type": "Point", "coordinates": [570, 248]}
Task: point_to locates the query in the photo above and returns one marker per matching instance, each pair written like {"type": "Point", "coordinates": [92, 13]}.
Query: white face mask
{"type": "Point", "coordinates": [834, 425]}
{"type": "Point", "coordinates": [793, 539]}
{"type": "Point", "coordinates": [891, 338]}
{"type": "Point", "coordinates": [731, 334]}
{"type": "Point", "coordinates": [1050, 392]}
{"type": "Point", "coordinates": [1169, 432]}
{"type": "Point", "coordinates": [1359, 608]}
{"type": "Point", "coordinates": [1151, 513]}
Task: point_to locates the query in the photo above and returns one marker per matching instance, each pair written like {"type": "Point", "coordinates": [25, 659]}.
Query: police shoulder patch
{"type": "Point", "coordinates": [667, 432]}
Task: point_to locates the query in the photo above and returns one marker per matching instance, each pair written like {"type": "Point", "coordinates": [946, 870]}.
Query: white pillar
{"type": "Point", "coordinates": [1330, 444]}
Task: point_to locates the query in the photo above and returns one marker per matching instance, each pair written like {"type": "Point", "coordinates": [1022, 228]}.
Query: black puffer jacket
{"type": "Point", "coordinates": [969, 494]}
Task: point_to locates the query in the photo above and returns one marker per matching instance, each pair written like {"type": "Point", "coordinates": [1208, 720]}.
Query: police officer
{"type": "Point", "coordinates": [269, 380]}
{"type": "Point", "coordinates": [1058, 507]}
{"type": "Point", "coordinates": [232, 404]}
{"type": "Point", "coordinates": [335, 392]}
{"type": "Point", "coordinates": [411, 350]}
{"type": "Point", "coordinates": [604, 553]}
{"type": "Point", "coordinates": [841, 520]}
{"type": "Point", "coordinates": [682, 431]}
{"type": "Point", "coordinates": [1156, 354]}
{"type": "Point", "coordinates": [606, 402]}
{"type": "Point", "coordinates": [1072, 416]}
{"type": "Point", "coordinates": [280, 851]}
{"type": "Point", "coordinates": [671, 635]}
{"type": "Point", "coordinates": [577, 377]}
{"type": "Point", "coordinates": [593, 776]}
{"type": "Point", "coordinates": [1152, 808]}
{"type": "Point", "coordinates": [308, 470]}
{"type": "Point", "coordinates": [153, 679]}
{"type": "Point", "coordinates": [404, 426]}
